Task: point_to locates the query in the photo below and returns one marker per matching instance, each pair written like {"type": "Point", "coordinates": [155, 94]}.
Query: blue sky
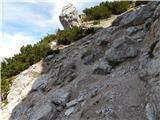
{"type": "Point", "coordinates": [27, 22]}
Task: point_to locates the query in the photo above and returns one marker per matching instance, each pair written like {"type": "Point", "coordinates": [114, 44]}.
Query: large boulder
{"type": "Point", "coordinates": [60, 96]}
{"type": "Point", "coordinates": [69, 16]}
{"type": "Point", "coordinates": [122, 49]}
{"type": "Point", "coordinates": [35, 107]}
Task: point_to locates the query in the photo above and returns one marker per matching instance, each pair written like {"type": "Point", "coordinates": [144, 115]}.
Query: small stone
{"type": "Point", "coordinates": [98, 111]}
{"type": "Point", "coordinates": [59, 108]}
{"type": "Point", "coordinates": [69, 111]}
{"type": "Point", "coordinates": [149, 112]}
{"type": "Point", "coordinates": [83, 103]}
{"type": "Point", "coordinates": [139, 40]}
{"type": "Point", "coordinates": [60, 96]}
{"type": "Point", "coordinates": [80, 98]}
{"type": "Point", "coordinates": [72, 103]}
{"type": "Point", "coordinates": [104, 43]}
{"type": "Point", "coordinates": [102, 68]}
{"type": "Point", "coordinates": [94, 93]}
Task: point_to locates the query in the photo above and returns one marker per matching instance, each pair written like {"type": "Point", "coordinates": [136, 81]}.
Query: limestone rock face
{"type": "Point", "coordinates": [24, 81]}
{"type": "Point", "coordinates": [69, 16]}
{"type": "Point", "coordinates": [112, 74]}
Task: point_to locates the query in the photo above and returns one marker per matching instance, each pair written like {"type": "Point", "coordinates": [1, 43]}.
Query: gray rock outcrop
{"type": "Point", "coordinates": [136, 16]}
{"type": "Point", "coordinates": [122, 49]}
{"type": "Point", "coordinates": [69, 16]}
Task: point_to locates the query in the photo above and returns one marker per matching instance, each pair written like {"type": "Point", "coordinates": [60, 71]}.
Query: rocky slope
{"type": "Point", "coordinates": [112, 74]}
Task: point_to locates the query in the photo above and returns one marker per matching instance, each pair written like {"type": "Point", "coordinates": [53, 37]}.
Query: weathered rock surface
{"type": "Point", "coordinates": [113, 74]}
{"type": "Point", "coordinates": [69, 111]}
{"type": "Point", "coordinates": [60, 96]}
{"type": "Point", "coordinates": [102, 68]}
{"type": "Point", "coordinates": [137, 16]}
{"type": "Point", "coordinates": [38, 107]}
{"type": "Point", "coordinates": [121, 49]}
{"type": "Point", "coordinates": [69, 16]}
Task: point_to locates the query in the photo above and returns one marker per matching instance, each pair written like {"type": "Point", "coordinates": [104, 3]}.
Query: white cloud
{"type": "Point", "coordinates": [11, 43]}
{"type": "Point", "coordinates": [18, 11]}
{"type": "Point", "coordinates": [33, 1]}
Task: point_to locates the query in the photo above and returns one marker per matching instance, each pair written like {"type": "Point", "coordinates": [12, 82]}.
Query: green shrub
{"type": "Point", "coordinates": [137, 3]}
{"type": "Point", "coordinates": [70, 35]}
{"type": "Point", "coordinates": [119, 7]}
{"type": "Point", "coordinates": [105, 9]}
{"type": "Point", "coordinates": [47, 39]}
{"type": "Point", "coordinates": [97, 12]}
{"type": "Point", "coordinates": [5, 84]}
{"type": "Point", "coordinates": [89, 31]}
{"type": "Point", "coordinates": [28, 56]}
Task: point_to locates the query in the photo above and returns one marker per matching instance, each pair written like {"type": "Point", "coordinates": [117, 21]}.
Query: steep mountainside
{"type": "Point", "coordinates": [112, 74]}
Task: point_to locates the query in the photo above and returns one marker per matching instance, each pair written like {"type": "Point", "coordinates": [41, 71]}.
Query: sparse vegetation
{"type": "Point", "coordinates": [118, 7]}
{"type": "Point", "coordinates": [70, 35]}
{"type": "Point", "coordinates": [97, 12]}
{"type": "Point", "coordinates": [5, 84]}
{"type": "Point", "coordinates": [106, 9]}
{"type": "Point", "coordinates": [35, 74]}
{"type": "Point", "coordinates": [28, 55]}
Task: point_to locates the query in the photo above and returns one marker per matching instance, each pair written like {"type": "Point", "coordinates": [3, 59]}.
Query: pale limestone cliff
{"type": "Point", "coordinates": [69, 16]}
